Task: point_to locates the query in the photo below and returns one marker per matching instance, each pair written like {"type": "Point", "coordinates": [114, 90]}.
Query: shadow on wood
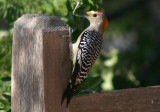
{"type": "Point", "coordinates": [128, 100]}
{"type": "Point", "coordinates": [40, 64]}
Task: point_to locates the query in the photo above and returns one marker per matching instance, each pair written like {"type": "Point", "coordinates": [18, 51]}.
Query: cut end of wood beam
{"type": "Point", "coordinates": [41, 22]}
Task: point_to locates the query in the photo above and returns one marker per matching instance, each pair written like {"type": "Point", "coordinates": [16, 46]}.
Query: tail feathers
{"type": "Point", "coordinates": [68, 93]}
{"type": "Point", "coordinates": [69, 97]}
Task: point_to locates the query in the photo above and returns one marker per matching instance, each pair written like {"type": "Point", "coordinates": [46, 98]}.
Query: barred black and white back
{"type": "Point", "coordinates": [88, 51]}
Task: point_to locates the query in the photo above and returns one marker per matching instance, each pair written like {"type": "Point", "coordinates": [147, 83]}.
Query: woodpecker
{"type": "Point", "coordinates": [86, 50]}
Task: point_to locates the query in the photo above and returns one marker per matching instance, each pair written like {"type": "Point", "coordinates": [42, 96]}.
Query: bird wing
{"type": "Point", "coordinates": [88, 51]}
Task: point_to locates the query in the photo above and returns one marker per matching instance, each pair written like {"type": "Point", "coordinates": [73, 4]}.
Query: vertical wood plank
{"type": "Point", "coordinates": [59, 58]}
{"type": "Point", "coordinates": [40, 64]}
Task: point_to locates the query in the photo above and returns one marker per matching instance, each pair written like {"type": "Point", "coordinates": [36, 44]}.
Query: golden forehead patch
{"type": "Point", "coordinates": [89, 12]}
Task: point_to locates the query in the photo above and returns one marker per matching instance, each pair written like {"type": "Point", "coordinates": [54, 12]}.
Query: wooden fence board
{"type": "Point", "coordinates": [128, 100]}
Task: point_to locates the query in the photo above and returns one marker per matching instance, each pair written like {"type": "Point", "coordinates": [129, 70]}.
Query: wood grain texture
{"type": "Point", "coordinates": [57, 54]}
{"type": "Point", "coordinates": [128, 100]}
{"type": "Point", "coordinates": [40, 64]}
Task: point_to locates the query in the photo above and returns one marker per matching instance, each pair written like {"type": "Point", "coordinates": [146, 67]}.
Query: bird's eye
{"type": "Point", "coordinates": [94, 15]}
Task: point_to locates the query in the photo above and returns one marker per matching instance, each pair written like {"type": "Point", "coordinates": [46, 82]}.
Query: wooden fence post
{"type": "Point", "coordinates": [40, 64]}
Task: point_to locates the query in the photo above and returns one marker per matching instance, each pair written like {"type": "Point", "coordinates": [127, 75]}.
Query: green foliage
{"type": "Point", "coordinates": [5, 71]}
{"type": "Point", "coordinates": [90, 85]}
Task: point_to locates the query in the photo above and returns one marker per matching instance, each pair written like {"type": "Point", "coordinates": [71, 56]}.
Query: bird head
{"type": "Point", "coordinates": [97, 18]}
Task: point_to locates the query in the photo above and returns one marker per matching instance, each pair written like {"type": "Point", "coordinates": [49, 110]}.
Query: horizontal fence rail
{"type": "Point", "coordinates": [128, 100]}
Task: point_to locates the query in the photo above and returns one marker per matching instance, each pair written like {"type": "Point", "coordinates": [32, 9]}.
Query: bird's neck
{"type": "Point", "coordinates": [97, 27]}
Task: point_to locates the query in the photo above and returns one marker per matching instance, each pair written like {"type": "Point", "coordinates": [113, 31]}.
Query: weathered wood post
{"type": "Point", "coordinates": [40, 64]}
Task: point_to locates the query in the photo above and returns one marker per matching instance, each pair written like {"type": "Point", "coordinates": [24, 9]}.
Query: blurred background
{"type": "Point", "coordinates": [131, 44]}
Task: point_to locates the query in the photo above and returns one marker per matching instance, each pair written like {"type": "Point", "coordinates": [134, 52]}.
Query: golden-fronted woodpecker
{"type": "Point", "coordinates": [86, 50]}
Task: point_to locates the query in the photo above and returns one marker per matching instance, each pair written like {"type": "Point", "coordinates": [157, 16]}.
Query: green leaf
{"type": "Point", "coordinates": [68, 4]}
{"type": "Point", "coordinates": [9, 110]}
{"type": "Point", "coordinates": [90, 85]}
{"type": "Point", "coordinates": [8, 78]}
{"type": "Point", "coordinates": [86, 2]}
{"type": "Point", "coordinates": [8, 97]}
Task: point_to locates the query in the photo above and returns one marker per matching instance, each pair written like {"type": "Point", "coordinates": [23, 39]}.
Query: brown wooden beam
{"type": "Point", "coordinates": [128, 100]}
{"type": "Point", "coordinates": [40, 64]}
